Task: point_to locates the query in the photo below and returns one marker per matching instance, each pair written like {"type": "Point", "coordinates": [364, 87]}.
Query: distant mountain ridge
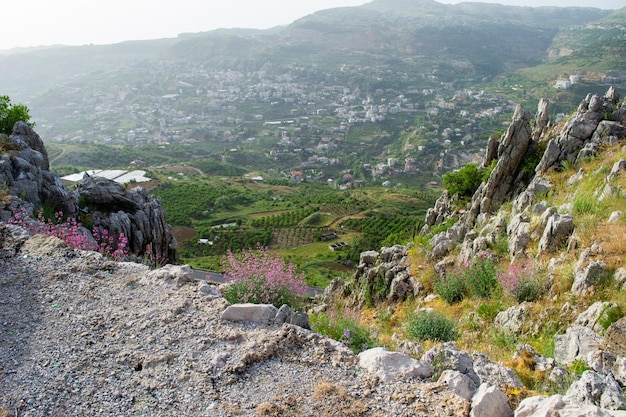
{"type": "Point", "coordinates": [379, 29]}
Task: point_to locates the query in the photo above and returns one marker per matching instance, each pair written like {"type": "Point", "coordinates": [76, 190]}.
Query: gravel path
{"type": "Point", "coordinates": [85, 336]}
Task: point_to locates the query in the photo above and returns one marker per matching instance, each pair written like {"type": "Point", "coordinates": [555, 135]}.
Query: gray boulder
{"type": "Point", "coordinates": [25, 172]}
{"type": "Point", "coordinates": [173, 275]}
{"type": "Point", "coordinates": [591, 317]}
{"type": "Point", "coordinates": [494, 374]}
{"type": "Point", "coordinates": [489, 401]}
{"type": "Point", "coordinates": [608, 363]}
{"type": "Point", "coordinates": [558, 229]}
{"type": "Point", "coordinates": [615, 338]}
{"type": "Point", "coordinates": [390, 366]}
{"type": "Point", "coordinates": [620, 277]}
{"type": "Point", "coordinates": [512, 148]}
{"type": "Point", "coordinates": [458, 383]}
{"type": "Point", "coordinates": [511, 320]}
{"type": "Point", "coordinates": [257, 313]}
{"type": "Point", "coordinates": [586, 278]}
{"type": "Point", "coordinates": [448, 357]}
{"type": "Point", "coordinates": [616, 216]}
{"type": "Point", "coordinates": [578, 130]}
{"type": "Point", "coordinates": [519, 234]}
{"type": "Point", "coordinates": [575, 344]}
{"type": "Point", "coordinates": [557, 405]}
{"type": "Point", "coordinates": [596, 389]}
{"type": "Point", "coordinates": [618, 168]}
{"type": "Point", "coordinates": [134, 213]}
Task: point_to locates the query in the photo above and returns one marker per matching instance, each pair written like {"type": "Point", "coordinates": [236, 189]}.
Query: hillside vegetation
{"type": "Point", "coordinates": [518, 281]}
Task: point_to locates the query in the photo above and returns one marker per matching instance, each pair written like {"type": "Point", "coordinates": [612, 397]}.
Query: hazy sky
{"type": "Point", "coordinates": [77, 22]}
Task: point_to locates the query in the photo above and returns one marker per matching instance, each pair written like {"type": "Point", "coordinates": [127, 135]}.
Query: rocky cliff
{"type": "Point", "coordinates": [550, 213]}
{"type": "Point", "coordinates": [97, 202]}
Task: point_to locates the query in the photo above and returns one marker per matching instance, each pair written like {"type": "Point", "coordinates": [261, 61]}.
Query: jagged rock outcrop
{"type": "Point", "coordinates": [512, 148]}
{"type": "Point", "coordinates": [586, 129]}
{"type": "Point", "coordinates": [25, 171]}
{"type": "Point", "coordinates": [130, 211]}
{"type": "Point", "coordinates": [575, 344]}
{"type": "Point", "coordinates": [386, 275]}
{"type": "Point", "coordinates": [98, 201]}
{"type": "Point", "coordinates": [597, 389]}
{"type": "Point", "coordinates": [442, 211]}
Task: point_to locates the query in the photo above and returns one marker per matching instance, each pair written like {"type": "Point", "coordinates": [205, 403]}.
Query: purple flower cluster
{"type": "Point", "coordinates": [73, 233]}
{"type": "Point", "coordinates": [258, 277]}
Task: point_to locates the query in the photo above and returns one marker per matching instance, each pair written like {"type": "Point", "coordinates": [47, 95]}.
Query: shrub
{"type": "Point", "coordinates": [488, 312]}
{"type": "Point", "coordinates": [451, 288]}
{"type": "Point", "coordinates": [11, 114]}
{"type": "Point", "coordinates": [258, 277]}
{"type": "Point", "coordinates": [433, 326]}
{"type": "Point", "coordinates": [481, 276]}
{"type": "Point", "coordinates": [463, 182]}
{"type": "Point", "coordinates": [519, 281]}
{"type": "Point", "coordinates": [344, 328]}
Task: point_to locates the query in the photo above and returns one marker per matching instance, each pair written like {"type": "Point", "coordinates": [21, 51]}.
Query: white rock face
{"type": "Point", "coordinates": [576, 343]}
{"type": "Point", "coordinates": [597, 389]}
{"type": "Point", "coordinates": [389, 366]}
{"type": "Point", "coordinates": [590, 317]}
{"type": "Point", "coordinates": [458, 383]}
{"type": "Point", "coordinates": [557, 405]}
{"type": "Point", "coordinates": [489, 401]}
{"type": "Point", "coordinates": [258, 313]}
{"type": "Point", "coordinates": [175, 275]}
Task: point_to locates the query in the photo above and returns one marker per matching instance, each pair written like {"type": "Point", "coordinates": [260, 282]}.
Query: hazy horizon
{"type": "Point", "coordinates": [33, 23]}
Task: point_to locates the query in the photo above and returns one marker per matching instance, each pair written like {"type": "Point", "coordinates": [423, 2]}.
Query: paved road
{"type": "Point", "coordinates": [218, 278]}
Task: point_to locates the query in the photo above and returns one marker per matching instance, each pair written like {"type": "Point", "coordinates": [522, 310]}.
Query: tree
{"type": "Point", "coordinates": [11, 114]}
{"type": "Point", "coordinates": [464, 182]}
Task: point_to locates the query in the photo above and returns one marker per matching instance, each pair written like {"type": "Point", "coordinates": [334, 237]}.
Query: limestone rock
{"type": "Point", "coordinates": [586, 278]}
{"type": "Point", "coordinates": [575, 344]}
{"type": "Point", "coordinates": [608, 363]}
{"type": "Point", "coordinates": [557, 405]}
{"type": "Point", "coordinates": [368, 257]}
{"type": "Point", "coordinates": [489, 401]}
{"type": "Point", "coordinates": [442, 210]}
{"type": "Point", "coordinates": [618, 168]}
{"type": "Point", "coordinates": [258, 313]}
{"type": "Point", "coordinates": [283, 314]}
{"type": "Point", "coordinates": [558, 229]}
{"type": "Point", "coordinates": [620, 277]}
{"type": "Point", "coordinates": [300, 319]}
{"type": "Point", "coordinates": [25, 171]}
{"type": "Point", "coordinates": [512, 148]}
{"type": "Point", "coordinates": [494, 374]}
{"type": "Point", "coordinates": [615, 337]}
{"type": "Point", "coordinates": [174, 275]}
{"type": "Point", "coordinates": [458, 383]}
{"type": "Point", "coordinates": [389, 366]}
{"type": "Point", "coordinates": [511, 320]}
{"type": "Point", "coordinates": [448, 356]}
{"type": "Point", "coordinates": [12, 238]}
{"type": "Point", "coordinates": [596, 389]}
{"type": "Point", "coordinates": [578, 130]}
{"type": "Point", "coordinates": [336, 287]}
{"type": "Point", "coordinates": [590, 317]}
{"type": "Point", "coordinates": [616, 216]}
{"type": "Point", "coordinates": [519, 234]}
{"type": "Point", "coordinates": [134, 213]}
{"type": "Point", "coordinates": [576, 178]}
